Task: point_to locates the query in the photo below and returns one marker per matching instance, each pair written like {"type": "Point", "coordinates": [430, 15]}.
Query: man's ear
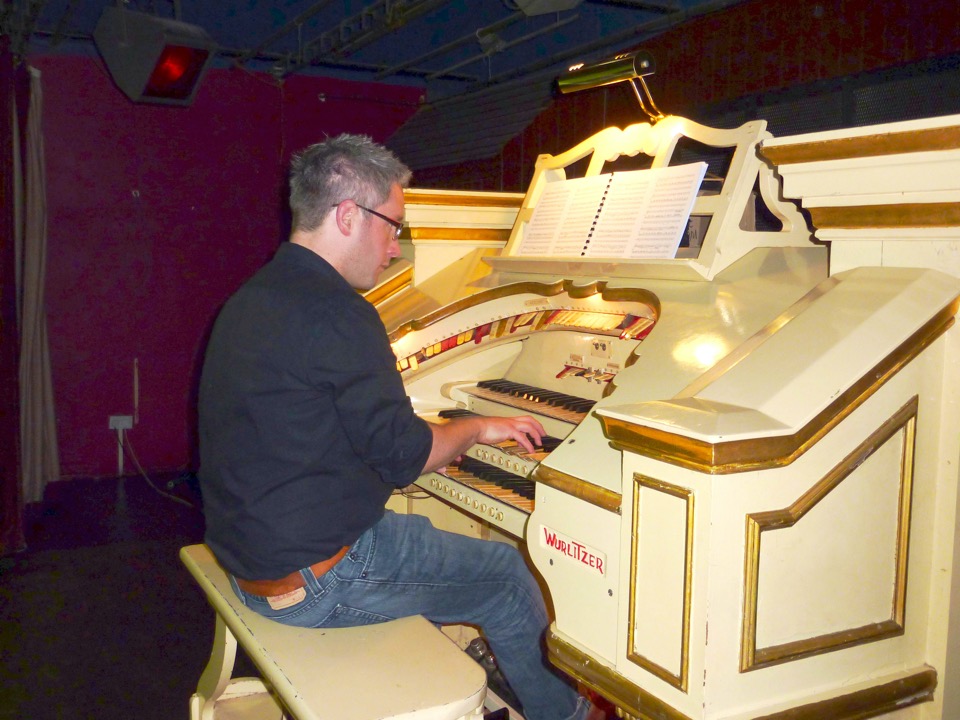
{"type": "Point", "coordinates": [348, 215]}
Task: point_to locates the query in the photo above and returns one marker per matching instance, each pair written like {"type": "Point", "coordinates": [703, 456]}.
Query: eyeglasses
{"type": "Point", "coordinates": [397, 226]}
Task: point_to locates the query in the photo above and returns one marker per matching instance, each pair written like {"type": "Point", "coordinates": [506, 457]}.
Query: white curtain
{"type": "Point", "coordinates": [39, 455]}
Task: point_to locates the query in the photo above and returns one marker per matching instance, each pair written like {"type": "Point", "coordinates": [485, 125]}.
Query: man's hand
{"type": "Point", "coordinates": [455, 437]}
{"type": "Point", "coordinates": [524, 429]}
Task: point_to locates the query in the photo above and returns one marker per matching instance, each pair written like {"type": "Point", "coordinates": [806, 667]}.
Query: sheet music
{"type": "Point", "coordinates": [564, 216]}
{"type": "Point", "coordinates": [635, 214]}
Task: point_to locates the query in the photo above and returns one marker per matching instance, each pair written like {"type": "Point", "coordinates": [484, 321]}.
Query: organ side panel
{"type": "Point", "coordinates": [798, 535]}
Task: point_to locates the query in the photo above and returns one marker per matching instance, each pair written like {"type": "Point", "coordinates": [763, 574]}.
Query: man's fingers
{"type": "Point", "coordinates": [525, 430]}
{"type": "Point", "coordinates": [530, 432]}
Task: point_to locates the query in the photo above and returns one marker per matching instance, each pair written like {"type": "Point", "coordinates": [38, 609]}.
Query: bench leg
{"type": "Point", "coordinates": [216, 683]}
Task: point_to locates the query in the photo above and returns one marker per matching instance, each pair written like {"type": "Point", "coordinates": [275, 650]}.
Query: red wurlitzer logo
{"type": "Point", "coordinates": [560, 544]}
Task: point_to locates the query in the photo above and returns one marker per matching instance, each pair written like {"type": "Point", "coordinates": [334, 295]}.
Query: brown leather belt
{"type": "Point", "coordinates": [293, 581]}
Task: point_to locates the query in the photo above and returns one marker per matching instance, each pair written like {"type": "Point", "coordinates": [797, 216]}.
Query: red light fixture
{"type": "Point", "coordinates": [153, 59]}
{"type": "Point", "coordinates": [176, 72]}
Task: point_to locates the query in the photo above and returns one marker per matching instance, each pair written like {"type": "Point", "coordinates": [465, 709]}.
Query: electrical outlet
{"type": "Point", "coordinates": [120, 422]}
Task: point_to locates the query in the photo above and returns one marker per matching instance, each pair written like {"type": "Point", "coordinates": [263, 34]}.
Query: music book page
{"type": "Point", "coordinates": [633, 214]}
{"type": "Point", "coordinates": [563, 216]}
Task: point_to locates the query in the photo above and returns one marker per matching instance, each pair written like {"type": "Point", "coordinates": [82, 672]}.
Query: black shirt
{"type": "Point", "coordinates": [305, 427]}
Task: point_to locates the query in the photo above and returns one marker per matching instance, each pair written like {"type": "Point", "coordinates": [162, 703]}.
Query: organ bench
{"type": "Point", "coordinates": [406, 669]}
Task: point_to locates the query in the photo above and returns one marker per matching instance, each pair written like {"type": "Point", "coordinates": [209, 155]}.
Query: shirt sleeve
{"type": "Point", "coordinates": [355, 364]}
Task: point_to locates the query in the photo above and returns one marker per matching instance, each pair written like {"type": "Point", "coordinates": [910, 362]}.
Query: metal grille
{"type": "Point", "coordinates": [924, 95]}
{"type": "Point", "coordinates": [472, 127]}
{"type": "Point", "coordinates": [925, 89]}
{"type": "Point", "coordinates": [803, 115]}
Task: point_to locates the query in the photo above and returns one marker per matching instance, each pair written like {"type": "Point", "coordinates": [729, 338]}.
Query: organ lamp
{"type": "Point", "coordinates": [629, 67]}
{"type": "Point", "coordinates": [153, 59]}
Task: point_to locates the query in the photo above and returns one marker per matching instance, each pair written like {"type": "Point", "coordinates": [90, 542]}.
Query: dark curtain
{"type": "Point", "coordinates": [14, 93]}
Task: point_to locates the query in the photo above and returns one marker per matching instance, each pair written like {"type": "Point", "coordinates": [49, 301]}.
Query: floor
{"type": "Point", "coordinates": [98, 619]}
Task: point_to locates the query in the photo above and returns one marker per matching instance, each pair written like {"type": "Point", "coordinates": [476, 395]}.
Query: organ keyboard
{"type": "Point", "coordinates": [492, 482]}
{"type": "Point", "coordinates": [537, 400]}
{"type": "Point", "coordinates": [546, 349]}
{"type": "Point", "coordinates": [744, 433]}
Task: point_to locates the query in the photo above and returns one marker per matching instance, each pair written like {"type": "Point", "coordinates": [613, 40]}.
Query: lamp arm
{"type": "Point", "coordinates": [655, 115]}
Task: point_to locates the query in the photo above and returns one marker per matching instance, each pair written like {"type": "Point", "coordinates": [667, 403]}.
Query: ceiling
{"type": "Point", "coordinates": [449, 47]}
{"type": "Point", "coordinates": [486, 67]}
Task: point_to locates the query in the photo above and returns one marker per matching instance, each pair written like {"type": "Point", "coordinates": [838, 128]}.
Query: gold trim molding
{"type": "Point", "coordinates": [480, 199]}
{"type": "Point", "coordinates": [931, 139]}
{"type": "Point", "coordinates": [459, 234]}
{"type": "Point", "coordinates": [902, 692]}
{"type": "Point", "coordinates": [390, 288]}
{"type": "Point", "coordinates": [752, 657]}
{"type": "Point", "coordinates": [608, 682]}
{"type": "Point", "coordinates": [580, 489]}
{"type": "Point", "coordinates": [912, 215]}
{"type": "Point", "coordinates": [737, 456]}
{"type": "Point", "coordinates": [677, 680]}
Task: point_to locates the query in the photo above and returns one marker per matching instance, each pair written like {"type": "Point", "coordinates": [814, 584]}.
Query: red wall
{"type": "Point", "coordinates": [750, 48]}
{"type": "Point", "coordinates": [156, 214]}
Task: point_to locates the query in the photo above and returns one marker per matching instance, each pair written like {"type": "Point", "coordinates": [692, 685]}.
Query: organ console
{"type": "Point", "coordinates": [747, 503]}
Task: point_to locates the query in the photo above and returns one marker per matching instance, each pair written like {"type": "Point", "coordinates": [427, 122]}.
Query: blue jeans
{"type": "Point", "coordinates": [404, 566]}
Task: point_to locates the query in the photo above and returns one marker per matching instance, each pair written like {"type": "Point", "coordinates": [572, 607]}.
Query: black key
{"type": "Point", "coordinates": [549, 443]}
{"type": "Point", "coordinates": [450, 413]}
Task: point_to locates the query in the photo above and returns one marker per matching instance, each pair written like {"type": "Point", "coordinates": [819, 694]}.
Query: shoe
{"type": "Point", "coordinates": [600, 707]}
{"type": "Point", "coordinates": [496, 681]}
{"type": "Point", "coordinates": [597, 713]}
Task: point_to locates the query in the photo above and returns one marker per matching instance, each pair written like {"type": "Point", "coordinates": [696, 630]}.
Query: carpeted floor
{"type": "Point", "coordinates": [98, 619]}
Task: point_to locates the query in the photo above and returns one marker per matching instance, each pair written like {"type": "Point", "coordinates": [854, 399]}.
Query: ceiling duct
{"type": "Point", "coordinates": [542, 7]}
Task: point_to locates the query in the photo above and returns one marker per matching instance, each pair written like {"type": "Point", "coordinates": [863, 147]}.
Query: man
{"type": "Point", "coordinates": [305, 430]}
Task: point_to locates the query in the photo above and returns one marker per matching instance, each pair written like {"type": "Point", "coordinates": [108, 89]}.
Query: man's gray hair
{"type": "Point", "coordinates": [346, 167]}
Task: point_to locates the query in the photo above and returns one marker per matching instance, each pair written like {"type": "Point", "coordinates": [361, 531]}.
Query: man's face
{"type": "Point", "coordinates": [375, 243]}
